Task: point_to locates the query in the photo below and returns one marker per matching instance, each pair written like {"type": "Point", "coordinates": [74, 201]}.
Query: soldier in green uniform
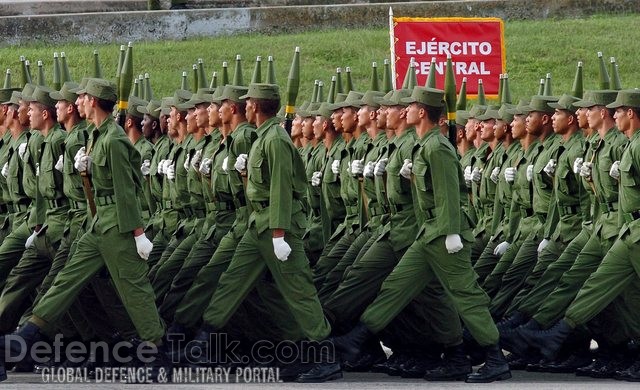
{"type": "Point", "coordinates": [115, 238]}
{"type": "Point", "coordinates": [5, 144]}
{"type": "Point", "coordinates": [438, 252]}
{"type": "Point", "coordinates": [160, 143]}
{"type": "Point", "coordinates": [618, 270]}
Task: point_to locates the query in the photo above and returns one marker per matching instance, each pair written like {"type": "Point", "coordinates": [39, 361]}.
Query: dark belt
{"type": "Point", "coordinates": [105, 200]}
{"type": "Point", "coordinates": [166, 205]}
{"type": "Point", "coordinates": [21, 207]}
{"type": "Point", "coordinates": [526, 212]}
{"type": "Point", "coordinates": [54, 203]}
{"type": "Point", "coordinates": [632, 216]}
{"type": "Point", "coordinates": [145, 213]}
{"type": "Point", "coordinates": [376, 210]}
{"type": "Point", "coordinates": [569, 210]}
{"type": "Point", "coordinates": [394, 208]}
{"type": "Point", "coordinates": [352, 210]}
{"type": "Point", "coordinates": [159, 206]}
{"type": "Point", "coordinates": [4, 208]}
{"type": "Point", "coordinates": [221, 206]}
{"type": "Point", "coordinates": [608, 207]}
{"type": "Point", "coordinates": [259, 205]}
{"type": "Point", "coordinates": [199, 212]}
{"type": "Point", "coordinates": [430, 213]}
{"type": "Point", "coordinates": [186, 211]}
{"type": "Point", "coordinates": [78, 205]}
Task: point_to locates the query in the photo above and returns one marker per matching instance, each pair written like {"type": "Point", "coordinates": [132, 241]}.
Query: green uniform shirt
{"type": "Point", "coordinates": [487, 190]}
{"type": "Point", "coordinates": [503, 196]}
{"type": "Point", "coordinates": [590, 210]}
{"type": "Point", "coordinates": [317, 232]}
{"type": "Point", "coordinates": [50, 180]}
{"type": "Point", "coordinates": [543, 183]}
{"type": "Point", "coordinates": [72, 181]}
{"type": "Point", "coordinates": [376, 208]}
{"type": "Point", "coordinates": [630, 177]}
{"type": "Point", "coordinates": [5, 143]}
{"type": "Point", "coordinates": [162, 147]}
{"type": "Point", "coordinates": [145, 148]}
{"type": "Point", "coordinates": [479, 160]}
{"type": "Point", "coordinates": [466, 161]}
{"type": "Point", "coordinates": [330, 186]}
{"type": "Point", "coordinates": [178, 187]}
{"type": "Point", "coordinates": [15, 184]}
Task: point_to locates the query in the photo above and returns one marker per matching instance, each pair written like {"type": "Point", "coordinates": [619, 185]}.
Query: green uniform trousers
{"type": "Point", "coordinates": [493, 281]}
{"type": "Point", "coordinates": [11, 251]}
{"type": "Point", "coordinates": [421, 264]}
{"type": "Point", "coordinates": [116, 251]}
{"type": "Point", "coordinates": [478, 247]}
{"type": "Point", "coordinates": [329, 260]}
{"type": "Point", "coordinates": [181, 233]}
{"type": "Point", "coordinates": [487, 261]}
{"type": "Point", "coordinates": [589, 259]}
{"type": "Point", "coordinates": [253, 256]}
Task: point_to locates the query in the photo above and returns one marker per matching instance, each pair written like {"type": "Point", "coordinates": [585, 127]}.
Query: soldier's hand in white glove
{"type": "Point", "coordinates": [368, 169]}
{"type": "Point", "coordinates": [30, 240]}
{"type": "Point", "coordinates": [510, 174]}
{"type": "Point", "coordinates": [241, 163]}
{"type": "Point", "coordinates": [357, 167]}
{"type": "Point", "coordinates": [195, 160]}
{"type": "Point", "coordinates": [281, 248]}
{"type": "Point", "coordinates": [145, 168]}
{"type": "Point", "coordinates": [79, 154]}
{"type": "Point", "coordinates": [225, 164]}
{"type": "Point", "coordinates": [60, 163]}
{"type": "Point", "coordinates": [476, 174]}
{"type": "Point", "coordinates": [205, 166]}
{"type": "Point", "coordinates": [380, 167]}
{"type": "Point", "coordinates": [501, 248]}
{"type": "Point", "coordinates": [453, 242]}
{"type": "Point", "coordinates": [530, 172]}
{"type": "Point", "coordinates": [143, 246]}
{"type": "Point", "coordinates": [316, 178]}
{"type": "Point", "coordinates": [550, 168]}
{"type": "Point", "coordinates": [22, 148]}
{"type": "Point", "coordinates": [405, 171]}
{"type": "Point", "coordinates": [467, 175]}
{"type": "Point", "coordinates": [187, 162]}
{"type": "Point", "coordinates": [170, 170]}
{"type": "Point", "coordinates": [495, 175]}
{"type": "Point", "coordinates": [161, 167]}
{"type": "Point", "coordinates": [83, 164]}
{"type": "Point", "coordinates": [577, 165]}
{"type": "Point", "coordinates": [543, 244]}
{"type": "Point", "coordinates": [614, 171]}
{"type": "Point", "coordinates": [585, 169]}
{"type": "Point", "coordinates": [335, 167]}
{"type": "Point", "coordinates": [5, 169]}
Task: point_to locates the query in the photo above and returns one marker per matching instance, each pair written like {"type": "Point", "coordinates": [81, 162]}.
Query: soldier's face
{"type": "Point", "coordinates": [394, 116]}
{"type": "Point", "coordinates": [364, 117]}
{"type": "Point", "coordinates": [307, 128]}
{"type": "Point", "coordinates": [518, 126]}
{"type": "Point", "coordinates": [36, 116]}
{"type": "Point", "coordinates": [225, 112]}
{"type": "Point", "coordinates": [202, 115]}
{"type": "Point", "coordinates": [560, 121]}
{"type": "Point", "coordinates": [534, 123]}
{"type": "Point", "coordinates": [349, 119]}
{"type": "Point", "coordinates": [147, 126]}
{"type": "Point", "coordinates": [61, 110]}
{"type": "Point", "coordinates": [296, 124]}
{"type": "Point", "coordinates": [623, 122]}
{"type": "Point", "coordinates": [214, 115]}
{"type": "Point", "coordinates": [251, 111]}
{"type": "Point", "coordinates": [381, 120]}
{"type": "Point", "coordinates": [471, 129]}
{"type": "Point", "coordinates": [23, 114]}
{"type": "Point", "coordinates": [487, 133]}
{"type": "Point", "coordinates": [80, 105]}
{"type": "Point", "coordinates": [192, 124]}
{"type": "Point", "coordinates": [413, 114]}
{"type": "Point", "coordinates": [594, 116]}
{"type": "Point", "coordinates": [500, 129]}
{"type": "Point", "coordinates": [318, 127]}
{"type": "Point", "coordinates": [581, 113]}
{"type": "Point", "coordinates": [336, 118]}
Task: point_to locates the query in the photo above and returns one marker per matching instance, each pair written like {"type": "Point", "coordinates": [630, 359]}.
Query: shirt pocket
{"type": "Point", "coordinates": [420, 177]}
{"type": "Point", "coordinates": [627, 178]}
{"type": "Point", "coordinates": [256, 171]}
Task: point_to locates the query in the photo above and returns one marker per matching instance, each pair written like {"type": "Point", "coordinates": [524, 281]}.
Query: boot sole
{"type": "Point", "coordinates": [501, 377]}
{"type": "Point", "coordinates": [331, 377]}
{"type": "Point", "coordinates": [452, 378]}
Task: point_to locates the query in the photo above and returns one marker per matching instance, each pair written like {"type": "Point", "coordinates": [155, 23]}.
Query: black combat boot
{"type": "Point", "coordinates": [10, 345]}
{"type": "Point", "coordinates": [199, 351]}
{"type": "Point", "coordinates": [372, 354]}
{"type": "Point", "coordinates": [161, 366]}
{"type": "Point", "coordinates": [350, 345]}
{"type": "Point", "coordinates": [511, 322]}
{"type": "Point", "coordinates": [326, 368]}
{"type": "Point", "coordinates": [631, 374]}
{"type": "Point", "coordinates": [455, 366]}
{"type": "Point", "coordinates": [422, 363]}
{"type": "Point", "coordinates": [494, 369]}
{"type": "Point", "coordinates": [547, 341]}
{"type": "Point", "coordinates": [512, 341]}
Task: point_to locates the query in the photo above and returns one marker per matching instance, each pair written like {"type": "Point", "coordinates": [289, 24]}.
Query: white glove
{"type": "Point", "coordinates": [79, 153]}
{"type": "Point", "coordinates": [530, 172]}
{"type": "Point", "coordinates": [281, 248]}
{"type": "Point", "coordinates": [405, 171]}
{"type": "Point", "coordinates": [550, 168]}
{"type": "Point", "coordinates": [23, 148]}
{"type": "Point", "coordinates": [577, 165]}
{"type": "Point", "coordinates": [585, 170]}
{"type": "Point", "coordinates": [614, 171]}
{"type": "Point", "coordinates": [453, 242]}
{"type": "Point", "coordinates": [357, 167]}
{"type": "Point", "coordinates": [29, 242]}
{"type": "Point", "coordinates": [205, 166]}
{"type": "Point", "coordinates": [37, 169]}
{"type": "Point", "coordinates": [143, 245]}
{"type": "Point", "coordinates": [145, 168]}
{"type": "Point", "coordinates": [543, 244]}
{"type": "Point", "coordinates": [5, 169]}
{"type": "Point", "coordinates": [187, 163]}
{"type": "Point", "coordinates": [495, 175]}
{"type": "Point", "coordinates": [476, 174]}
{"type": "Point", "coordinates": [335, 167]}
{"type": "Point", "coordinates": [83, 164]}
{"type": "Point", "coordinates": [60, 163]}
{"type": "Point", "coordinates": [241, 162]}
{"type": "Point", "coordinates": [316, 178]}
{"type": "Point", "coordinates": [161, 167]}
{"type": "Point", "coordinates": [467, 175]}
{"type": "Point", "coordinates": [381, 167]}
{"type": "Point", "coordinates": [195, 160]}
{"type": "Point", "coordinates": [501, 248]}
{"type": "Point", "coordinates": [510, 174]}
{"type": "Point", "coordinates": [225, 165]}
{"type": "Point", "coordinates": [368, 169]}
{"type": "Point", "coordinates": [170, 171]}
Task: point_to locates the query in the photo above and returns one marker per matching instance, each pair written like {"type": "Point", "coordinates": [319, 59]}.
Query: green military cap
{"type": "Point", "coordinates": [262, 91]}
{"type": "Point", "coordinates": [340, 97]}
{"type": "Point", "coordinates": [233, 93]}
{"type": "Point", "coordinates": [216, 94]}
{"type": "Point", "coordinates": [101, 89]}
{"type": "Point", "coordinates": [352, 100]}
{"type": "Point", "coordinates": [165, 106]}
{"type": "Point", "coordinates": [15, 98]}
{"type": "Point", "coordinates": [491, 113]}
{"type": "Point", "coordinates": [309, 110]}
{"type": "Point", "coordinates": [42, 95]}
{"type": "Point", "coordinates": [150, 109]}
{"type": "Point", "coordinates": [302, 107]}
{"type": "Point", "coordinates": [5, 94]}
{"type": "Point", "coordinates": [566, 102]}
{"type": "Point", "coordinates": [396, 98]}
{"type": "Point", "coordinates": [204, 95]}
{"type": "Point", "coordinates": [65, 92]}
{"type": "Point", "coordinates": [134, 104]}
{"type": "Point", "coordinates": [520, 109]}
{"type": "Point", "coordinates": [371, 99]}
{"type": "Point", "coordinates": [626, 98]}
{"type": "Point", "coordinates": [324, 110]}
{"type": "Point", "coordinates": [431, 97]}
{"type": "Point", "coordinates": [27, 90]}
{"type": "Point", "coordinates": [504, 113]}
{"type": "Point", "coordinates": [540, 103]}
{"type": "Point", "coordinates": [600, 97]}
{"type": "Point", "coordinates": [80, 87]}
{"type": "Point", "coordinates": [477, 110]}
{"type": "Point", "coordinates": [462, 116]}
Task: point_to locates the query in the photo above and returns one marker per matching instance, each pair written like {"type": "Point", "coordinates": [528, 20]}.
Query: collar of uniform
{"type": "Point", "coordinates": [399, 140]}
{"type": "Point", "coordinates": [550, 139]}
{"type": "Point", "coordinates": [337, 142]}
{"type": "Point", "coordinates": [611, 134]}
{"type": "Point", "coordinates": [635, 135]}
{"type": "Point", "coordinates": [78, 127]}
{"type": "Point", "coordinates": [575, 137]}
{"type": "Point", "coordinates": [105, 124]}
{"type": "Point", "coordinates": [266, 125]}
{"type": "Point", "coordinates": [52, 132]}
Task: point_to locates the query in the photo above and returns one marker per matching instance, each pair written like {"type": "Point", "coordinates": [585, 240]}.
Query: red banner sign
{"type": "Point", "coordinates": [476, 46]}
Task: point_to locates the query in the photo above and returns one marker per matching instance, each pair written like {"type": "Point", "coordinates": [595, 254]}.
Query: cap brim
{"type": "Point", "coordinates": [57, 96]}
{"type": "Point", "coordinates": [584, 104]}
{"type": "Point", "coordinates": [615, 105]}
{"type": "Point", "coordinates": [243, 97]}
{"type": "Point", "coordinates": [485, 117]}
{"type": "Point", "coordinates": [408, 100]}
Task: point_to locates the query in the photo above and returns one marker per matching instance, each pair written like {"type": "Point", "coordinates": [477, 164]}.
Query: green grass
{"type": "Point", "coordinates": [533, 49]}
